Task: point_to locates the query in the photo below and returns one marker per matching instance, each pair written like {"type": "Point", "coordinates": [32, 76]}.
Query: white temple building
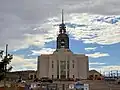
{"type": "Point", "coordinates": [63, 63]}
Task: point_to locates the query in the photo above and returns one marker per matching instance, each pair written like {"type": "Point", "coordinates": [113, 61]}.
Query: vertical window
{"type": "Point", "coordinates": [68, 68]}
{"type": "Point", "coordinates": [73, 65]}
{"type": "Point", "coordinates": [57, 76]}
{"type": "Point", "coordinates": [52, 76]}
{"type": "Point", "coordinates": [52, 64]}
{"type": "Point", "coordinates": [57, 69]}
{"type": "Point", "coordinates": [73, 76]}
{"type": "Point", "coordinates": [34, 76]}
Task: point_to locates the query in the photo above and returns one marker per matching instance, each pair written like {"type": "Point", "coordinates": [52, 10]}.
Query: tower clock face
{"type": "Point", "coordinates": [62, 43]}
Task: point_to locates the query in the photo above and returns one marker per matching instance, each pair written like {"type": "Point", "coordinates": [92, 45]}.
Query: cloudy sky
{"type": "Point", "coordinates": [30, 27]}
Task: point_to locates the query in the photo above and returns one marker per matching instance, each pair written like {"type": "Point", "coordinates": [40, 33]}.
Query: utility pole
{"type": "Point", "coordinates": [5, 67]}
{"type": "Point", "coordinates": [117, 74]}
{"type": "Point", "coordinates": [111, 73]}
{"type": "Point", "coordinates": [6, 61]}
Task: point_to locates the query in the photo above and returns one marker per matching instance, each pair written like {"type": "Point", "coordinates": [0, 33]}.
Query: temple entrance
{"type": "Point", "coordinates": [63, 77]}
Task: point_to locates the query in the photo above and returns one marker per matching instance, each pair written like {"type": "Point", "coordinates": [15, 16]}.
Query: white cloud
{"type": "Point", "coordinates": [18, 19]}
{"type": "Point", "coordinates": [38, 34]}
{"type": "Point", "coordinates": [43, 51]}
{"type": "Point", "coordinates": [96, 63]}
{"type": "Point", "coordinates": [97, 55]}
{"type": "Point", "coordinates": [100, 32]}
{"type": "Point", "coordinates": [19, 63]}
{"type": "Point", "coordinates": [110, 68]}
{"type": "Point", "coordinates": [98, 69]}
{"type": "Point", "coordinates": [94, 31]}
{"type": "Point", "coordinates": [38, 39]}
{"type": "Point", "coordinates": [107, 69]}
{"type": "Point", "coordinates": [90, 48]}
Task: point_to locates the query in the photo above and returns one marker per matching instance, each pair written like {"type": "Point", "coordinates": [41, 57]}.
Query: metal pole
{"type": "Point", "coordinates": [104, 73]}
{"type": "Point", "coordinates": [111, 73]}
{"type": "Point", "coordinates": [117, 74]}
{"type": "Point", "coordinates": [5, 67]}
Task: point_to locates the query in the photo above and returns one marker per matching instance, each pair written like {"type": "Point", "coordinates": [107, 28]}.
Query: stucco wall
{"type": "Point", "coordinates": [80, 69]}
{"type": "Point", "coordinates": [43, 66]}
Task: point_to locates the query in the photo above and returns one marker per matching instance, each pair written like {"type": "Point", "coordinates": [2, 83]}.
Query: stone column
{"type": "Point", "coordinates": [59, 70]}
{"type": "Point", "coordinates": [38, 67]}
{"type": "Point", "coordinates": [66, 69]}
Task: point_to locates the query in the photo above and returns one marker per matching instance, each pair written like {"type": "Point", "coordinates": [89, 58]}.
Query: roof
{"type": "Point", "coordinates": [22, 71]}
{"type": "Point", "coordinates": [94, 71]}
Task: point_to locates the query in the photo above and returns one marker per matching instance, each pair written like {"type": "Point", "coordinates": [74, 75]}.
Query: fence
{"type": "Point", "coordinates": [39, 87]}
{"type": "Point", "coordinates": [54, 86]}
{"type": "Point", "coordinates": [42, 86]}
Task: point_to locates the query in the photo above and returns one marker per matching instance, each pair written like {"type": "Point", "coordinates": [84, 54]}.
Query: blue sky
{"type": "Point", "coordinates": [31, 29]}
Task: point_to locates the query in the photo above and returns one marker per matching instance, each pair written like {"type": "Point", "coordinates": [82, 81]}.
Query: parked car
{"type": "Point", "coordinates": [36, 80]}
{"type": "Point", "coordinates": [21, 81]}
{"type": "Point", "coordinates": [46, 79]}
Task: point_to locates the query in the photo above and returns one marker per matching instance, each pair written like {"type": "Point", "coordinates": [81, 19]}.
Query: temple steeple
{"type": "Point", "coordinates": [62, 39]}
{"type": "Point", "coordinates": [62, 27]}
{"type": "Point", "coordinates": [62, 17]}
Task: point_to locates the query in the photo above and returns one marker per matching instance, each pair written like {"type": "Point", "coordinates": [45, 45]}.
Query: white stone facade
{"type": "Point", "coordinates": [63, 64]}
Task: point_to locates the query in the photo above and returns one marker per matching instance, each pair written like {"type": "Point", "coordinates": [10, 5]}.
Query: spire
{"type": "Point", "coordinates": [62, 27]}
{"type": "Point", "coordinates": [62, 39]}
{"type": "Point", "coordinates": [62, 17]}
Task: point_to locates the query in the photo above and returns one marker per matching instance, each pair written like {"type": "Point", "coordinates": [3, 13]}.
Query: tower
{"type": "Point", "coordinates": [62, 39]}
{"type": "Point", "coordinates": [63, 63]}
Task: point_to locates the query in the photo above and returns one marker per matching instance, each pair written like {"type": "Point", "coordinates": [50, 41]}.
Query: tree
{"type": "Point", "coordinates": [5, 60]}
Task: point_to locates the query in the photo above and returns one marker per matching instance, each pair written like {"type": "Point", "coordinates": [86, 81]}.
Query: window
{"type": "Point", "coordinates": [34, 76]}
{"type": "Point", "coordinates": [63, 72]}
{"type": "Point", "coordinates": [52, 64]}
{"type": "Point", "coordinates": [57, 69]}
{"type": "Point", "coordinates": [57, 76]}
{"type": "Point", "coordinates": [68, 68]}
{"type": "Point", "coordinates": [63, 69]}
{"type": "Point", "coordinates": [52, 76]}
{"type": "Point", "coordinates": [62, 43]}
{"type": "Point", "coordinates": [73, 65]}
{"type": "Point", "coordinates": [63, 65]}
{"type": "Point", "coordinates": [73, 76]}
{"type": "Point", "coordinates": [68, 65]}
